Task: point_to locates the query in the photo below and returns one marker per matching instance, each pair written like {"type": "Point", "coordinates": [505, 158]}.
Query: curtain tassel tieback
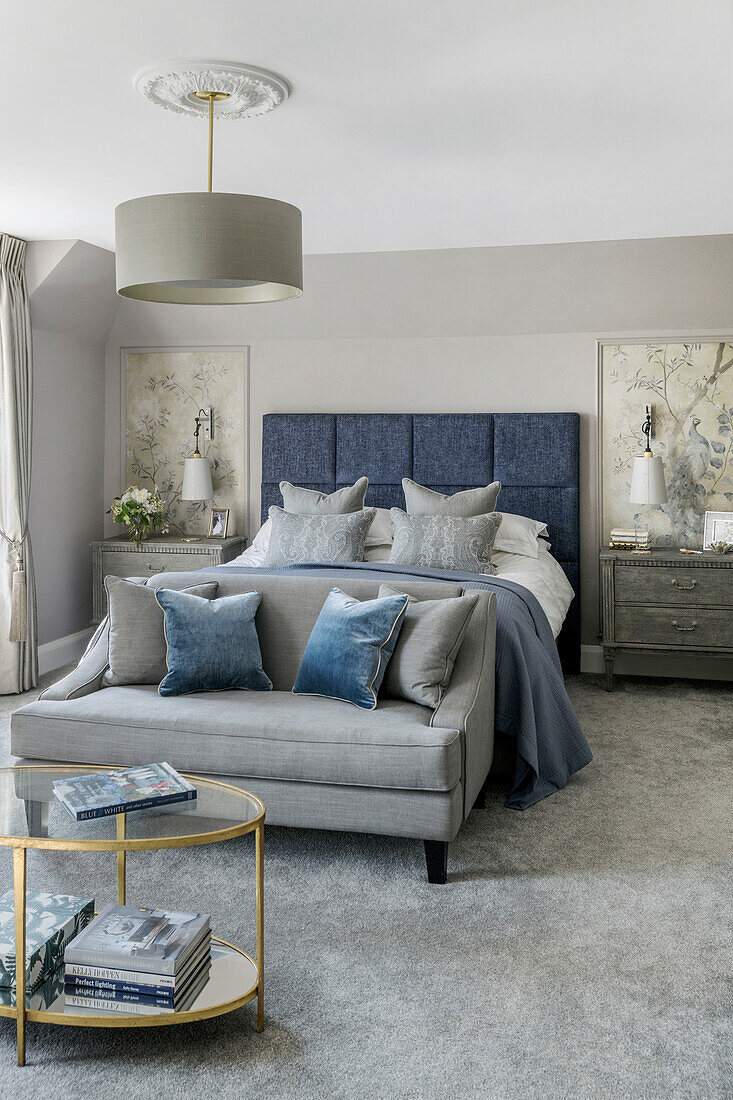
{"type": "Point", "coordinates": [19, 594]}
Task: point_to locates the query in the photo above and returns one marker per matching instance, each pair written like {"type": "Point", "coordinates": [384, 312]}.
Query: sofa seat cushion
{"type": "Point", "coordinates": [273, 735]}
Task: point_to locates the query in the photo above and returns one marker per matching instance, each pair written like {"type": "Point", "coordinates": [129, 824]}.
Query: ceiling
{"type": "Point", "coordinates": [413, 124]}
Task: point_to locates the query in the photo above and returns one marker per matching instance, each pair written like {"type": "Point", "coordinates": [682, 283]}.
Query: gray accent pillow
{"type": "Point", "coordinates": [298, 538]}
{"type": "Point", "coordinates": [137, 648]}
{"type": "Point", "coordinates": [444, 542]}
{"type": "Point", "coordinates": [421, 501]}
{"type": "Point", "coordinates": [309, 502]}
{"type": "Point", "coordinates": [432, 632]}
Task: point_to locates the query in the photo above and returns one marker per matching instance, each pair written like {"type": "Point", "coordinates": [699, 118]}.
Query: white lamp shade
{"type": "Point", "coordinates": [197, 480]}
{"type": "Point", "coordinates": [647, 482]}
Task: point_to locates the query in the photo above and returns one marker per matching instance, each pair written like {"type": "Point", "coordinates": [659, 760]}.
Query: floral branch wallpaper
{"type": "Point", "coordinates": [165, 390]}
{"type": "Point", "coordinates": [690, 389]}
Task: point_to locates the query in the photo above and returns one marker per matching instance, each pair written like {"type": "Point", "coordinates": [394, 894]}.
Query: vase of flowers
{"type": "Point", "coordinates": [141, 511]}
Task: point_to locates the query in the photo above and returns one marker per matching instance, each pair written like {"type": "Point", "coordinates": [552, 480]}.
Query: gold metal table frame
{"type": "Point", "coordinates": [122, 845]}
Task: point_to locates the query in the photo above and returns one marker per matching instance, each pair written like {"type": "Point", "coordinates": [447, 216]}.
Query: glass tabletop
{"type": "Point", "coordinates": [30, 812]}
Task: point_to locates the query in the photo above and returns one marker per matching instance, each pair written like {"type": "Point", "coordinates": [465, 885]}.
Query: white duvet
{"type": "Point", "coordinates": [543, 575]}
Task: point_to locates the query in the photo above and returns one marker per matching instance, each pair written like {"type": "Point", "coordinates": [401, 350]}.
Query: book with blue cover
{"type": "Point", "coordinates": [131, 997]}
{"type": "Point", "coordinates": [122, 791]}
{"type": "Point", "coordinates": [51, 922]}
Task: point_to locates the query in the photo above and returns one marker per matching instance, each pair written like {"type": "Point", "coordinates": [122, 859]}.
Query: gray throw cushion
{"type": "Point", "coordinates": [444, 542]}
{"type": "Point", "coordinates": [420, 501]}
{"type": "Point", "coordinates": [432, 632]}
{"type": "Point", "coordinates": [137, 649]}
{"type": "Point", "coordinates": [309, 502]}
{"type": "Point", "coordinates": [330, 539]}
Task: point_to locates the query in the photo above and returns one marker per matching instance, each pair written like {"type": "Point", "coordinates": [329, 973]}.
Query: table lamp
{"type": "Point", "coordinates": [197, 472]}
{"type": "Point", "coordinates": [647, 476]}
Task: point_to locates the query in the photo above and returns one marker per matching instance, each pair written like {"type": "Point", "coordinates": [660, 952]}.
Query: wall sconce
{"type": "Point", "coordinates": [196, 470]}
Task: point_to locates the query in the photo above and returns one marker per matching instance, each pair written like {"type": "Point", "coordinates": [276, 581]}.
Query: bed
{"type": "Point", "coordinates": [535, 457]}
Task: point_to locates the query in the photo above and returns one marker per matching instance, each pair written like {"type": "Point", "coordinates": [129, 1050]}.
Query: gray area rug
{"type": "Point", "coordinates": [579, 949]}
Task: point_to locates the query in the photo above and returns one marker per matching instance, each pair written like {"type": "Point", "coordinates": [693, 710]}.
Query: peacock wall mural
{"type": "Point", "coordinates": [690, 388]}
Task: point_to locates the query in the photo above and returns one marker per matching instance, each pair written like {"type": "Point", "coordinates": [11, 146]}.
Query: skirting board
{"type": "Point", "coordinates": [689, 666]}
{"type": "Point", "coordinates": [62, 651]}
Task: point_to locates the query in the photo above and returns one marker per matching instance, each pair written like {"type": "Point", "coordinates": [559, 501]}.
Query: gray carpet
{"type": "Point", "coordinates": [578, 950]}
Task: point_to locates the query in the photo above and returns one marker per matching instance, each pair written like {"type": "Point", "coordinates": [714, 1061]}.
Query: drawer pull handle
{"type": "Point", "coordinates": [685, 587]}
{"type": "Point", "coordinates": [155, 568]}
{"type": "Point", "coordinates": [685, 629]}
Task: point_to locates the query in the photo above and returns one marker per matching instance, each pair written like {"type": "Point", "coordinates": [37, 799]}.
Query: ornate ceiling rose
{"type": "Point", "coordinates": [250, 91]}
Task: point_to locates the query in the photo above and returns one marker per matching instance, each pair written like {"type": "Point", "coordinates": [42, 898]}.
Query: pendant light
{"type": "Point", "coordinates": [209, 248]}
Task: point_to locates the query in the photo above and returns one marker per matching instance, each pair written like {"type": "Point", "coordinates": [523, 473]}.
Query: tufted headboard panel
{"type": "Point", "coordinates": [534, 455]}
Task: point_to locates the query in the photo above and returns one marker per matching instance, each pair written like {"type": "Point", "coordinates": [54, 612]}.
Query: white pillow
{"type": "Point", "coordinates": [519, 535]}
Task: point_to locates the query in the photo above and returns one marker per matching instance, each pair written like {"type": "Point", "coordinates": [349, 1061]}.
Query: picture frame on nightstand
{"type": "Point", "coordinates": [218, 523]}
{"type": "Point", "coordinates": [718, 528]}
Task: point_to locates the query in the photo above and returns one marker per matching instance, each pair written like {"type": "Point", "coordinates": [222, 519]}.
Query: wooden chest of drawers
{"type": "Point", "coordinates": [118, 557]}
{"type": "Point", "coordinates": [665, 601]}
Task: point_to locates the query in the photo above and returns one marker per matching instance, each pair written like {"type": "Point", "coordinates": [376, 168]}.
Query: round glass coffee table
{"type": "Point", "coordinates": [31, 817]}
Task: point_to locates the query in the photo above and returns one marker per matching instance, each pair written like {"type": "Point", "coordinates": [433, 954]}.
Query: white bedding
{"type": "Point", "coordinates": [543, 575]}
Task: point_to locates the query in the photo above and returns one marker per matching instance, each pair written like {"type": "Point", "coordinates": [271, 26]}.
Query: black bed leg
{"type": "Point", "coordinates": [436, 857]}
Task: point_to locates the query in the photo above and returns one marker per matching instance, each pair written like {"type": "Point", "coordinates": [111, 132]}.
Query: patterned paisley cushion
{"type": "Point", "coordinates": [324, 538]}
{"type": "Point", "coordinates": [445, 542]}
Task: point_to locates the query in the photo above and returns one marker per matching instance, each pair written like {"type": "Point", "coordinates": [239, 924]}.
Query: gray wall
{"type": "Point", "coordinates": [491, 329]}
{"type": "Point", "coordinates": [72, 306]}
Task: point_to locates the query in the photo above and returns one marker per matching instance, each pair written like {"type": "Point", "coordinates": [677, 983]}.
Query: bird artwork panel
{"type": "Point", "coordinates": [690, 388]}
{"type": "Point", "coordinates": [164, 391]}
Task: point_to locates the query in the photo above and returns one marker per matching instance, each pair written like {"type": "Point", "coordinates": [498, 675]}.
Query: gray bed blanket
{"type": "Point", "coordinates": [532, 705]}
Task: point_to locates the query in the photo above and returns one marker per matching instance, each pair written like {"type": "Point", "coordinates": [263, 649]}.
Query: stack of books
{"type": "Point", "coordinates": [123, 790]}
{"type": "Point", "coordinates": [141, 961]}
{"type": "Point", "coordinates": [51, 922]}
{"type": "Point", "coordinates": [623, 538]}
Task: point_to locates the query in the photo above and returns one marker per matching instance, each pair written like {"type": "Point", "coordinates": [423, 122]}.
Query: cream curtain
{"type": "Point", "coordinates": [18, 657]}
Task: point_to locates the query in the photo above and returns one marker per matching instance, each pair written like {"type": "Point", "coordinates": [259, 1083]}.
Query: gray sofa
{"type": "Point", "coordinates": [400, 770]}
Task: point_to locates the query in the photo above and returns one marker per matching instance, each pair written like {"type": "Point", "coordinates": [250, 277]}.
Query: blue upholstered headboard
{"type": "Point", "coordinates": [533, 455]}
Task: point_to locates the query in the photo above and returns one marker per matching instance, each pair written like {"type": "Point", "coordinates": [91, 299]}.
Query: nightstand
{"type": "Point", "coordinates": [665, 601]}
{"type": "Point", "coordinates": [119, 557]}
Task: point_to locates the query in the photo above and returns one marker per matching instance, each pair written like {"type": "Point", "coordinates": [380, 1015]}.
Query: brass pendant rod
{"type": "Point", "coordinates": [211, 142]}
{"type": "Point", "coordinates": [213, 97]}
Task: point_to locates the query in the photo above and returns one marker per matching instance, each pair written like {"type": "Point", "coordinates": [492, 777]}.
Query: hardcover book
{"type": "Point", "coordinates": [99, 1006]}
{"type": "Point", "coordinates": [51, 922]}
{"type": "Point", "coordinates": [153, 941]}
{"type": "Point", "coordinates": [122, 791]}
{"type": "Point", "coordinates": [88, 979]}
{"type": "Point", "coordinates": [171, 999]}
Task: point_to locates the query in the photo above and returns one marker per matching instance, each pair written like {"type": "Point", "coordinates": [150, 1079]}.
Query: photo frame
{"type": "Point", "coordinates": [718, 528]}
{"type": "Point", "coordinates": [218, 523]}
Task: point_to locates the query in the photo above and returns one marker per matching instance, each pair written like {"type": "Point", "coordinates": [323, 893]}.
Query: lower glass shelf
{"type": "Point", "coordinates": [232, 982]}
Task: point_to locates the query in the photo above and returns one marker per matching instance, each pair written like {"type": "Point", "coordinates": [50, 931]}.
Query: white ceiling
{"type": "Point", "coordinates": [413, 123]}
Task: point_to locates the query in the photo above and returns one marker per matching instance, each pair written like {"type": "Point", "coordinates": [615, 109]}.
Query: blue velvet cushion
{"type": "Point", "coordinates": [212, 644]}
{"type": "Point", "coordinates": [349, 648]}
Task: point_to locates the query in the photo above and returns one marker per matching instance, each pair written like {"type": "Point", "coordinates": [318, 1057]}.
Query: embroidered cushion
{"type": "Point", "coordinates": [331, 539]}
{"type": "Point", "coordinates": [445, 542]}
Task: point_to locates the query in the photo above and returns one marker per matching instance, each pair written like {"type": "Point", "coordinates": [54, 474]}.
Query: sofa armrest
{"type": "Point", "coordinates": [88, 674]}
{"type": "Point", "coordinates": [468, 704]}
